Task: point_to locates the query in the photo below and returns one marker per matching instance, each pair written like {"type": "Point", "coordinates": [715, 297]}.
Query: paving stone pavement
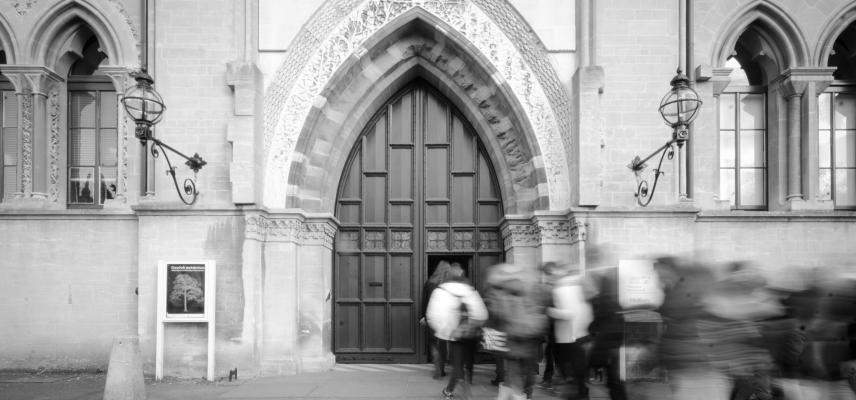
{"type": "Point", "coordinates": [345, 381]}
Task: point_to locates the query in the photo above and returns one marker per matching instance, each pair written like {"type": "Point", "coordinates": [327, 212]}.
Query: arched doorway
{"type": "Point", "coordinates": [416, 189]}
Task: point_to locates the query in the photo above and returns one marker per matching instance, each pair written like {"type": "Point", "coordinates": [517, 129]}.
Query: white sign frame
{"type": "Point", "coordinates": [193, 269]}
{"type": "Point", "coordinates": [639, 285]}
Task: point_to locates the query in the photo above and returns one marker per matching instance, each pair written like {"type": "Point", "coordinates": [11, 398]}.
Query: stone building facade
{"type": "Point", "coordinates": [321, 241]}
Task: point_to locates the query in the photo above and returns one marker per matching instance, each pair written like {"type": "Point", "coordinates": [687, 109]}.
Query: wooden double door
{"type": "Point", "coordinates": [416, 189]}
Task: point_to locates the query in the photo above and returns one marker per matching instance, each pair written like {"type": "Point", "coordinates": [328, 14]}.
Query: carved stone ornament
{"type": "Point", "coordinates": [339, 29]}
{"type": "Point", "coordinates": [527, 235]}
{"type": "Point", "coordinates": [22, 6]}
{"type": "Point", "coordinates": [54, 147]}
{"type": "Point", "coordinates": [289, 229]}
{"type": "Point", "coordinates": [27, 144]}
{"type": "Point", "coordinates": [555, 232]}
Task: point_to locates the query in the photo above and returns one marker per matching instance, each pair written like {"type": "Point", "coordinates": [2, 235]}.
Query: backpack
{"type": "Point", "coordinates": [467, 327]}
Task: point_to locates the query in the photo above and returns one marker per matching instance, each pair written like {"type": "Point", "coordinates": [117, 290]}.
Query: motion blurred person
{"type": "Point", "coordinates": [519, 306]}
{"type": "Point", "coordinates": [437, 346]}
{"type": "Point", "coordinates": [572, 315]}
{"type": "Point", "coordinates": [455, 312]}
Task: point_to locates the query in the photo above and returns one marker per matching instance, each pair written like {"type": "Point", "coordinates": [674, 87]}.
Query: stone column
{"type": "Point", "coordinates": [279, 296]}
{"type": "Point", "coordinates": [121, 80]}
{"type": "Point", "coordinates": [252, 274]}
{"type": "Point", "coordinates": [314, 299]}
{"type": "Point", "coordinates": [33, 85]}
{"type": "Point", "coordinates": [705, 161]}
{"type": "Point", "coordinates": [801, 86]}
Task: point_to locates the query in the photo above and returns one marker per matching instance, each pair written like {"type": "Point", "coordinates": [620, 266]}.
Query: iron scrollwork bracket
{"type": "Point", "coordinates": [644, 193]}
{"type": "Point", "coordinates": [195, 163]}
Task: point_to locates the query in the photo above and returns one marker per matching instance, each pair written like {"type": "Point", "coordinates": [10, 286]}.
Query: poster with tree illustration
{"type": "Point", "coordinates": [185, 290]}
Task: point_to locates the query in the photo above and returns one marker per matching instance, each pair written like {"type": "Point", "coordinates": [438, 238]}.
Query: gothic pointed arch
{"type": "Point", "coordinates": [63, 31]}
{"type": "Point", "coordinates": [8, 43]}
{"type": "Point", "coordinates": [772, 35]}
{"type": "Point", "coordinates": [416, 46]}
{"type": "Point", "coordinates": [839, 31]}
{"type": "Point", "coordinates": [337, 49]}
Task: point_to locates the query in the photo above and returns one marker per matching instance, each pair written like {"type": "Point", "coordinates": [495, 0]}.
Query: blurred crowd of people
{"type": "Point", "coordinates": [723, 331]}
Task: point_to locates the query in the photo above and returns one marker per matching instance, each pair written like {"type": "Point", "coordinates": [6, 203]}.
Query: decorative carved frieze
{"type": "Point", "coordinates": [255, 227]}
{"type": "Point", "coordinates": [526, 235]}
{"type": "Point", "coordinates": [339, 29]}
{"type": "Point", "coordinates": [555, 232]}
{"type": "Point", "coordinates": [121, 80]}
{"type": "Point", "coordinates": [291, 229]}
{"type": "Point", "coordinates": [27, 144]}
{"type": "Point", "coordinates": [54, 147]}
{"type": "Point", "coordinates": [318, 233]}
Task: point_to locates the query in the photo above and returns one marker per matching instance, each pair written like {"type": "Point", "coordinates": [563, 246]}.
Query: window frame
{"type": "Point", "coordinates": [6, 86]}
{"type": "Point", "coordinates": [839, 86]}
{"type": "Point", "coordinates": [98, 84]}
{"type": "Point", "coordinates": [736, 91]}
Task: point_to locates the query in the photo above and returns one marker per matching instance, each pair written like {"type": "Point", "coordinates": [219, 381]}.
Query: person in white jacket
{"type": "Point", "coordinates": [459, 325]}
{"type": "Point", "coordinates": [572, 314]}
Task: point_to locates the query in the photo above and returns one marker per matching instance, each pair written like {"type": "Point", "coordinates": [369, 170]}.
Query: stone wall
{"type": "Point", "coordinates": [68, 288]}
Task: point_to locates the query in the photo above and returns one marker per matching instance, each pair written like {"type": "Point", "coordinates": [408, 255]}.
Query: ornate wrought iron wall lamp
{"type": "Point", "coordinates": [145, 106]}
{"type": "Point", "coordinates": [679, 108]}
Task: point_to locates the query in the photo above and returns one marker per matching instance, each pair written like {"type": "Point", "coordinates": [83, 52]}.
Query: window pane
{"type": "Point", "coordinates": [825, 149]}
{"type": "Point", "coordinates": [109, 109]}
{"type": "Point", "coordinates": [82, 147]}
{"type": "Point", "coordinates": [726, 185]}
{"type": "Point", "coordinates": [845, 111]}
{"type": "Point", "coordinates": [108, 184]}
{"type": "Point", "coordinates": [9, 181]}
{"type": "Point", "coordinates": [10, 146]}
{"type": "Point", "coordinates": [726, 111]}
{"type": "Point", "coordinates": [109, 147]}
{"type": "Point", "coordinates": [825, 190]}
{"type": "Point", "coordinates": [80, 184]}
{"type": "Point", "coordinates": [752, 111]}
{"type": "Point", "coordinates": [726, 149]}
{"type": "Point", "coordinates": [82, 109]}
{"type": "Point", "coordinates": [845, 149]}
{"type": "Point", "coordinates": [751, 187]}
{"type": "Point", "coordinates": [823, 111]}
{"type": "Point", "coordinates": [10, 109]}
{"type": "Point", "coordinates": [752, 149]}
{"type": "Point", "coordinates": [845, 187]}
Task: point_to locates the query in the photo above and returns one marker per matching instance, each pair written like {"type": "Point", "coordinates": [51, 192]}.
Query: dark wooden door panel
{"type": "Point", "coordinates": [416, 183]}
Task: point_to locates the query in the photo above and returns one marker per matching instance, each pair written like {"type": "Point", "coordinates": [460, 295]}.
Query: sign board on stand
{"type": "Point", "coordinates": [639, 292]}
{"type": "Point", "coordinates": [186, 294]}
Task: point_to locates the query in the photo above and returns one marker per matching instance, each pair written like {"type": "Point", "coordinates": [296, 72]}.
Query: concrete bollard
{"type": "Point", "coordinates": [125, 371]}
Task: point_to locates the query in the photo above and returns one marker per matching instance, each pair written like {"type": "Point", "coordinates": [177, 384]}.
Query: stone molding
{"type": "Point", "coordinates": [33, 79]}
{"type": "Point", "coordinates": [294, 228]}
{"type": "Point", "coordinates": [541, 230]}
{"type": "Point", "coordinates": [338, 31]}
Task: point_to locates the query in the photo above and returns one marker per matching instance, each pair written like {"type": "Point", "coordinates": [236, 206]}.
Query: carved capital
{"type": "Point", "coordinates": [318, 233]}
{"type": "Point", "coordinates": [32, 79]}
{"type": "Point", "coordinates": [794, 81]}
{"type": "Point", "coordinates": [520, 233]}
{"type": "Point", "coordinates": [255, 227]}
{"type": "Point", "coordinates": [579, 230]}
{"type": "Point", "coordinates": [283, 230]}
{"type": "Point", "coordinates": [120, 76]}
{"type": "Point", "coordinates": [554, 231]}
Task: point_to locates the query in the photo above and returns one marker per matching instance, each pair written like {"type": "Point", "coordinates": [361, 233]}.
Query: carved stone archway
{"type": "Point", "coordinates": [339, 35]}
